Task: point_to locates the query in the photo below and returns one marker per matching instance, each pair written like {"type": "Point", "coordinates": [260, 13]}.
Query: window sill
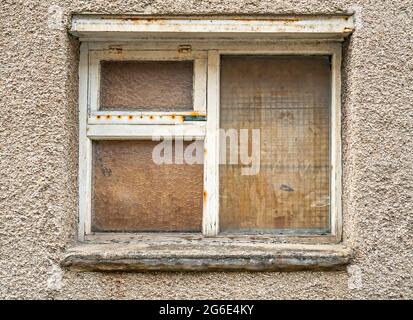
{"type": "Point", "coordinates": [205, 255]}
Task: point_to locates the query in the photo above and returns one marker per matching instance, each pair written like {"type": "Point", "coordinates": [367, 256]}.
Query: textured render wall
{"type": "Point", "coordinates": [38, 162]}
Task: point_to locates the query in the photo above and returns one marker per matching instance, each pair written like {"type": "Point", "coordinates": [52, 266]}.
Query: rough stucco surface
{"type": "Point", "coordinates": [38, 163]}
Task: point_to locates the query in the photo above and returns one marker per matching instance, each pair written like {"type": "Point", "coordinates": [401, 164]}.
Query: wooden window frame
{"type": "Point", "coordinates": [104, 125]}
{"type": "Point", "coordinates": [199, 85]}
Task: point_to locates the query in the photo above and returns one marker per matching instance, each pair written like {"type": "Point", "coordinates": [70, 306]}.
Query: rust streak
{"type": "Point", "coordinates": [197, 114]}
{"type": "Point", "coordinates": [347, 29]}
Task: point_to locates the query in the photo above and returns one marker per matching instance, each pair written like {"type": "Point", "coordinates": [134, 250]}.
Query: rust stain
{"type": "Point", "coordinates": [205, 197]}
{"type": "Point", "coordinates": [181, 118]}
{"type": "Point", "coordinates": [108, 117]}
{"type": "Point", "coordinates": [292, 19]}
{"type": "Point", "coordinates": [249, 19]}
{"type": "Point", "coordinates": [130, 117]}
{"type": "Point", "coordinates": [98, 117]}
{"type": "Point", "coordinates": [197, 114]}
{"type": "Point", "coordinates": [116, 50]}
{"type": "Point", "coordinates": [119, 117]}
{"type": "Point", "coordinates": [140, 20]}
{"type": "Point", "coordinates": [150, 117]}
{"type": "Point", "coordinates": [205, 151]}
{"type": "Point", "coordinates": [347, 29]}
{"type": "Point", "coordinates": [185, 48]}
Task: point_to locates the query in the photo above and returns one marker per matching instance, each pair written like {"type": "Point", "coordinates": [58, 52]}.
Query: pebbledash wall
{"type": "Point", "coordinates": [38, 148]}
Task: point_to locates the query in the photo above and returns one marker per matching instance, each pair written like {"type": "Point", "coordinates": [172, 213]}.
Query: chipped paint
{"type": "Point", "coordinates": [348, 30]}
{"type": "Point", "coordinates": [195, 118]}
{"type": "Point", "coordinates": [309, 26]}
{"type": "Point", "coordinates": [125, 118]}
{"type": "Point", "coordinates": [185, 49]}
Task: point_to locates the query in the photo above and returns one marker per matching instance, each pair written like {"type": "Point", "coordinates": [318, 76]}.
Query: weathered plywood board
{"type": "Point", "coordinates": [146, 85]}
{"type": "Point", "coordinates": [288, 99]}
{"type": "Point", "coordinates": [132, 193]}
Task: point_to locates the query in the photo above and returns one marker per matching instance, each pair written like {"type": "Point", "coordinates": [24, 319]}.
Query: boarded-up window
{"type": "Point", "coordinates": [133, 193]}
{"type": "Point", "coordinates": [288, 99]}
{"type": "Point", "coordinates": [146, 85]}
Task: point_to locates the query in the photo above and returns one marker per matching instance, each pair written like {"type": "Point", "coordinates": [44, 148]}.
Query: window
{"type": "Point", "coordinates": [259, 122]}
{"type": "Point", "coordinates": [133, 98]}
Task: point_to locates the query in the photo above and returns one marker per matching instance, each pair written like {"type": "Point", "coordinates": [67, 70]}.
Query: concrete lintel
{"type": "Point", "coordinates": [135, 27]}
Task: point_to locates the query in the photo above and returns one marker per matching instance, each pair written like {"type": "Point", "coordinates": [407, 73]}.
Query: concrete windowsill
{"type": "Point", "coordinates": [205, 256]}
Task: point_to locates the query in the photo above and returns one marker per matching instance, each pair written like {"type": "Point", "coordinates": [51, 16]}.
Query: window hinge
{"type": "Point", "coordinates": [185, 48]}
{"type": "Point", "coordinates": [115, 49]}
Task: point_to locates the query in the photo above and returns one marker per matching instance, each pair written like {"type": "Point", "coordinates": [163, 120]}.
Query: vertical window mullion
{"type": "Point", "coordinates": [85, 145]}
{"type": "Point", "coordinates": [94, 82]}
{"type": "Point", "coordinates": [200, 79]}
{"type": "Point", "coordinates": [211, 173]}
{"type": "Point", "coordinates": [335, 145]}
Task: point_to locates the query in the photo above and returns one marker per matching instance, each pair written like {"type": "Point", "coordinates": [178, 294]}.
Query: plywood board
{"type": "Point", "coordinates": [131, 193]}
{"type": "Point", "coordinates": [288, 99]}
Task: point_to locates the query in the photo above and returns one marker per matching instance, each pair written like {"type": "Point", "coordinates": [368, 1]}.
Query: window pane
{"type": "Point", "coordinates": [146, 85]}
{"type": "Point", "coordinates": [132, 193]}
{"type": "Point", "coordinates": [288, 99]}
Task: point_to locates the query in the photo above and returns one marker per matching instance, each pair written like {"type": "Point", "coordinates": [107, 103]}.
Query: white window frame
{"type": "Point", "coordinates": [206, 55]}
{"type": "Point", "coordinates": [199, 86]}
{"type": "Point", "coordinates": [131, 125]}
{"type": "Point", "coordinates": [211, 214]}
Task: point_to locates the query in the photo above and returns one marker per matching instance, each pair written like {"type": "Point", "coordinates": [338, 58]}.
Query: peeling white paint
{"type": "Point", "coordinates": [357, 11]}
{"type": "Point", "coordinates": [355, 280]}
{"type": "Point", "coordinates": [55, 279]}
{"type": "Point", "coordinates": [95, 26]}
{"type": "Point", "coordinates": [55, 18]}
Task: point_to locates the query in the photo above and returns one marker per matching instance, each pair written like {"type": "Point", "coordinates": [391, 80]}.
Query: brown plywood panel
{"type": "Point", "coordinates": [288, 99]}
{"type": "Point", "coordinates": [132, 193]}
{"type": "Point", "coordinates": [146, 85]}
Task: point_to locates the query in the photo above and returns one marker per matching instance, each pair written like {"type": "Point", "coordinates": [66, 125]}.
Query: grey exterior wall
{"type": "Point", "coordinates": [38, 157]}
